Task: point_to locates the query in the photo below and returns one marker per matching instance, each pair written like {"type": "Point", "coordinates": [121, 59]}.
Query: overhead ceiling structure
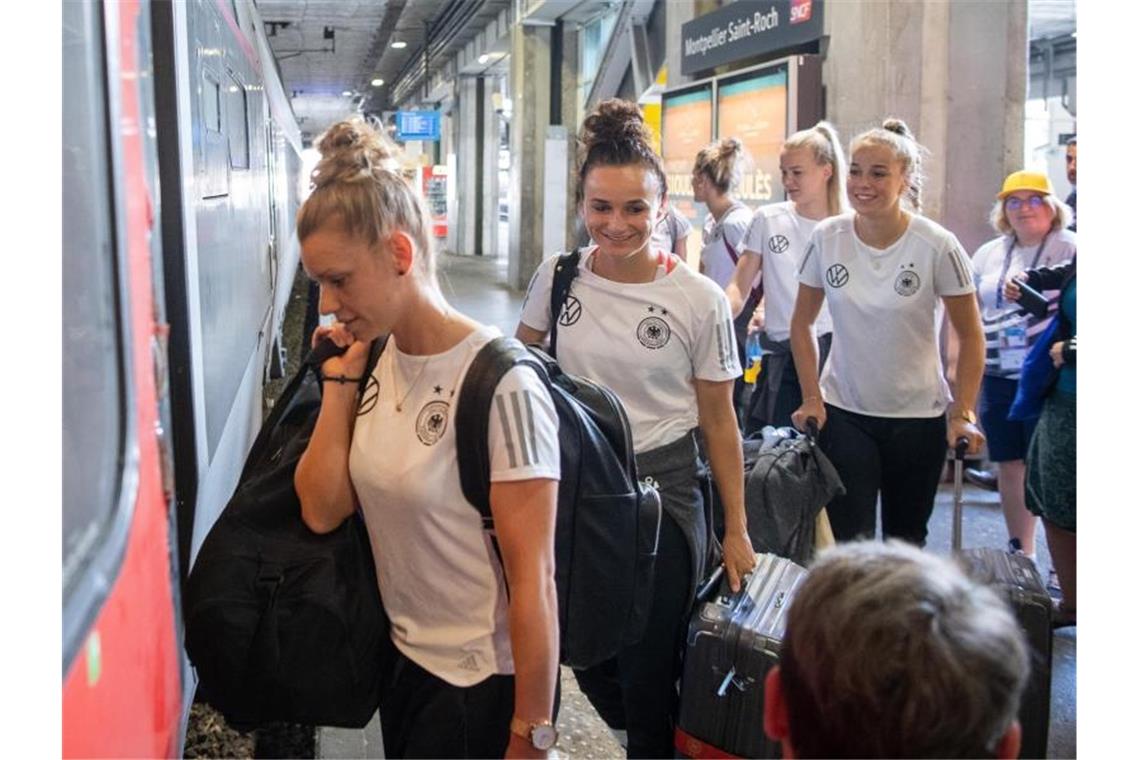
{"type": "Point", "coordinates": [1049, 19]}
{"type": "Point", "coordinates": [329, 53]}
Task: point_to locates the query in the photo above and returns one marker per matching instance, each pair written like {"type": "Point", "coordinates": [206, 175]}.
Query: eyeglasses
{"type": "Point", "coordinates": [1014, 204]}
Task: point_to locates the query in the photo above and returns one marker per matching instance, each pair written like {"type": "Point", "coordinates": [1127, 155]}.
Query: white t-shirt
{"type": "Point", "coordinates": [780, 236]}
{"type": "Point", "coordinates": [647, 342]}
{"type": "Point", "coordinates": [721, 243]}
{"type": "Point", "coordinates": [669, 229]}
{"type": "Point", "coordinates": [442, 585]}
{"type": "Point", "coordinates": [1009, 334]}
{"type": "Point", "coordinates": [887, 311]}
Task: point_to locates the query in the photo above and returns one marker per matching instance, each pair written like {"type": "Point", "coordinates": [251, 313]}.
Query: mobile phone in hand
{"type": "Point", "coordinates": [1032, 302]}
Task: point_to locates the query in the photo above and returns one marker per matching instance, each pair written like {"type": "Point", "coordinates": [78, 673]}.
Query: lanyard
{"type": "Point", "coordinates": [1009, 260]}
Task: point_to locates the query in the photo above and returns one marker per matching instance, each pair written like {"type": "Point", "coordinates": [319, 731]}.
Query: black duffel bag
{"type": "Point", "coordinates": [284, 624]}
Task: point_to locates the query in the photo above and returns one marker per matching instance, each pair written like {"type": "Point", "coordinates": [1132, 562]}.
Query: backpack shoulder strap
{"type": "Point", "coordinates": [472, 415]}
{"type": "Point", "coordinates": [374, 350]}
{"type": "Point", "coordinates": [564, 273]}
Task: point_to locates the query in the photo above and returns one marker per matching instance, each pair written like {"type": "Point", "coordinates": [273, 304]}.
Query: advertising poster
{"type": "Point", "coordinates": [686, 127]}
{"type": "Point", "coordinates": [754, 109]}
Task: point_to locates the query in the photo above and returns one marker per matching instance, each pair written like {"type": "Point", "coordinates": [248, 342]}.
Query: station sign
{"type": "Point", "coordinates": [417, 125]}
{"type": "Point", "coordinates": [748, 29]}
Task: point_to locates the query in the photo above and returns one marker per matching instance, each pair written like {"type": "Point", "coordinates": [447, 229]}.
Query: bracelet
{"type": "Point", "coordinates": [342, 379]}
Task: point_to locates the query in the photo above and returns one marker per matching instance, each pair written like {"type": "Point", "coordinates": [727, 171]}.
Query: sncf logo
{"type": "Point", "coordinates": [800, 11]}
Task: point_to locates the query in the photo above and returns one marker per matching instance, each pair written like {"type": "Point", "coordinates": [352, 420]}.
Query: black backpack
{"type": "Point", "coordinates": [283, 624]}
{"type": "Point", "coordinates": [605, 541]}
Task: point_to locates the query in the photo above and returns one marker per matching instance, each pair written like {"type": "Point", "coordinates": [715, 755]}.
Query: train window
{"type": "Point", "coordinates": [211, 102]}
{"type": "Point", "coordinates": [237, 123]}
{"type": "Point", "coordinates": [94, 410]}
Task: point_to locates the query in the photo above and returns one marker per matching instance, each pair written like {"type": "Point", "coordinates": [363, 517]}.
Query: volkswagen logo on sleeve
{"type": "Point", "coordinates": [653, 332]}
{"type": "Point", "coordinates": [837, 275]}
{"type": "Point", "coordinates": [571, 312]}
{"type": "Point", "coordinates": [907, 283]}
{"type": "Point", "coordinates": [431, 423]}
{"type": "Point", "coordinates": [778, 244]}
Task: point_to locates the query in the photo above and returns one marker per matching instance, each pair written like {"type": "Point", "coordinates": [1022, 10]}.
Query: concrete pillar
{"type": "Point", "coordinates": [956, 73]}
{"type": "Point", "coordinates": [490, 157]}
{"type": "Point", "coordinates": [467, 154]}
{"type": "Point", "coordinates": [572, 119]}
{"type": "Point", "coordinates": [530, 116]}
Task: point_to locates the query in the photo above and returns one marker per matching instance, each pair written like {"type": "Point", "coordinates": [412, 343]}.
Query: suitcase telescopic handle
{"type": "Point", "coordinates": [709, 586]}
{"type": "Point", "coordinates": [960, 447]}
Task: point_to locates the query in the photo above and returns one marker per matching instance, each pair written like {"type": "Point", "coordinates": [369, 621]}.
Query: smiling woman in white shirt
{"type": "Point", "coordinates": [883, 402]}
{"type": "Point", "coordinates": [813, 172]}
{"type": "Point", "coordinates": [659, 335]}
{"type": "Point", "coordinates": [476, 668]}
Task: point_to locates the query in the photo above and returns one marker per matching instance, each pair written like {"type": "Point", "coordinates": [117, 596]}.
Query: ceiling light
{"type": "Point", "coordinates": [484, 58]}
{"type": "Point", "coordinates": [347, 93]}
{"type": "Point", "coordinates": [399, 44]}
{"type": "Point", "coordinates": [377, 82]}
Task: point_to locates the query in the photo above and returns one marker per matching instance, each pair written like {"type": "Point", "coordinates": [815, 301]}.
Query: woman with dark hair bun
{"type": "Point", "coordinates": [657, 333]}
{"type": "Point", "coordinates": [476, 668]}
{"type": "Point", "coordinates": [887, 274]}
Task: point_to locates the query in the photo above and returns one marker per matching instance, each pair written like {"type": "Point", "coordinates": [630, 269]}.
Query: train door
{"type": "Point", "coordinates": [122, 690]}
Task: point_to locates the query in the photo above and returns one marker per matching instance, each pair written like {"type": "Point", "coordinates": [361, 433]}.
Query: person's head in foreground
{"type": "Point", "coordinates": [894, 652]}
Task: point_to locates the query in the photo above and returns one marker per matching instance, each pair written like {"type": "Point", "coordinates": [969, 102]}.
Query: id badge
{"type": "Point", "coordinates": [1012, 358]}
{"type": "Point", "coordinates": [1014, 337]}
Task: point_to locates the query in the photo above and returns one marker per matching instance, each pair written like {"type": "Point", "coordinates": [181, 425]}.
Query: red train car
{"type": "Point", "coordinates": [180, 165]}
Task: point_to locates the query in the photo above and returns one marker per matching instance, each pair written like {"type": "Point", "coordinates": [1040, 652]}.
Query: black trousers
{"type": "Point", "coordinates": [901, 458]}
{"type": "Point", "coordinates": [424, 716]}
{"type": "Point", "coordinates": [637, 691]}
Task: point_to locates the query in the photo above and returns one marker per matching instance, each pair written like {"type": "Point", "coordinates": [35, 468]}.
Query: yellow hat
{"type": "Point", "coordinates": [1026, 180]}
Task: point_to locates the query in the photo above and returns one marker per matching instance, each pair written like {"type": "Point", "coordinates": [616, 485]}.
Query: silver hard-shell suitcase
{"type": "Point", "coordinates": [733, 641]}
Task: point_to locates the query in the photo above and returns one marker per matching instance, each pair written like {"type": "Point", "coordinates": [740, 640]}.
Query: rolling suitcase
{"type": "Point", "coordinates": [733, 641]}
{"type": "Point", "coordinates": [1015, 577]}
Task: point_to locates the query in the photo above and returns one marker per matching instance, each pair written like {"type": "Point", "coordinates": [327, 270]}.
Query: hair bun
{"type": "Point", "coordinates": [353, 149]}
{"type": "Point", "coordinates": [898, 126]}
{"type": "Point", "coordinates": [731, 146]}
{"type": "Point", "coordinates": [615, 121]}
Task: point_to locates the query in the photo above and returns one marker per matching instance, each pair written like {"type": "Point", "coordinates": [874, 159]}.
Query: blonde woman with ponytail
{"type": "Point", "coordinates": [472, 661]}
{"type": "Point", "coordinates": [812, 170]}
{"type": "Point", "coordinates": [886, 411]}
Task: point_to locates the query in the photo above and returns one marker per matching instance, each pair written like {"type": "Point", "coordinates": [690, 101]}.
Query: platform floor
{"type": "Point", "coordinates": [477, 287]}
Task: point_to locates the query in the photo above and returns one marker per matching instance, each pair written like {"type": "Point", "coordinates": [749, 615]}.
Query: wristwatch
{"type": "Point", "coordinates": [967, 415]}
{"type": "Point", "coordinates": [541, 733]}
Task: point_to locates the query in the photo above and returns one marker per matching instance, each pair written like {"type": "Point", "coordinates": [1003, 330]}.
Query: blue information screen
{"type": "Point", "coordinates": [417, 125]}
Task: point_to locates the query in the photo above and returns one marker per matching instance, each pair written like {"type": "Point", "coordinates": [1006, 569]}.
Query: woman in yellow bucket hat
{"type": "Point", "coordinates": [1030, 221]}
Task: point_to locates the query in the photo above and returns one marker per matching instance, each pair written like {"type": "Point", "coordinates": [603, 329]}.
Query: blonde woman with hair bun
{"type": "Point", "coordinates": [812, 170]}
{"type": "Point", "coordinates": [470, 660]}
{"type": "Point", "coordinates": [883, 403]}
{"type": "Point", "coordinates": [717, 172]}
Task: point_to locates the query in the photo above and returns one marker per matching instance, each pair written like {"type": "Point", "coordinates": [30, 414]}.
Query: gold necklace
{"type": "Point", "coordinates": [396, 387]}
{"type": "Point", "coordinates": [408, 392]}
